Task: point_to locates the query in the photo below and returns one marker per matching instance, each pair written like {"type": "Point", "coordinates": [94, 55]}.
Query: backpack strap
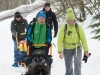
{"type": "Point", "coordinates": [33, 26]}
{"type": "Point", "coordinates": [65, 30]}
{"type": "Point", "coordinates": [77, 29]}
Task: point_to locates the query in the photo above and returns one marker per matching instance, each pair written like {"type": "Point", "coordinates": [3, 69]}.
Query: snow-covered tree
{"type": "Point", "coordinates": [95, 25]}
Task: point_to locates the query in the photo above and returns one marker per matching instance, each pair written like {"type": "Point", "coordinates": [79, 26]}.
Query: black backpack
{"type": "Point", "coordinates": [76, 27]}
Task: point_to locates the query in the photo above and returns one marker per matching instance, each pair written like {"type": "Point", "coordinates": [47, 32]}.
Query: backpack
{"type": "Point", "coordinates": [76, 27]}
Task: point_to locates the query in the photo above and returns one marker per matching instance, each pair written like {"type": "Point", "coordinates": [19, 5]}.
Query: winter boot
{"type": "Point", "coordinates": [15, 65]}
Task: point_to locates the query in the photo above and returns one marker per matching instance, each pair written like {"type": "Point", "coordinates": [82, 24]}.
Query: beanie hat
{"type": "Point", "coordinates": [17, 14]}
{"type": "Point", "coordinates": [47, 4]}
{"type": "Point", "coordinates": [70, 14]}
{"type": "Point", "coordinates": [41, 14]}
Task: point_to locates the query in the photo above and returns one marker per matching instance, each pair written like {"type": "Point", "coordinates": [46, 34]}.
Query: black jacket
{"type": "Point", "coordinates": [19, 27]}
{"type": "Point", "coordinates": [52, 20]}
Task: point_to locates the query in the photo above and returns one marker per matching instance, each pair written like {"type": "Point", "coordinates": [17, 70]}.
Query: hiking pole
{"type": "Point", "coordinates": [16, 40]}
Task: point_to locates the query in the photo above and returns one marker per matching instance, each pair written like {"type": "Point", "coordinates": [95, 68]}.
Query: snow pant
{"type": "Point", "coordinates": [15, 50]}
{"type": "Point", "coordinates": [21, 56]}
{"type": "Point", "coordinates": [68, 56]}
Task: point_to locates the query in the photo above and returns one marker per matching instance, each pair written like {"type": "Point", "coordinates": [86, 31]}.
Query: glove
{"type": "Point", "coordinates": [30, 44]}
{"type": "Point", "coordinates": [17, 34]}
{"type": "Point", "coordinates": [85, 58]}
{"type": "Point", "coordinates": [48, 44]}
{"type": "Point", "coordinates": [55, 35]}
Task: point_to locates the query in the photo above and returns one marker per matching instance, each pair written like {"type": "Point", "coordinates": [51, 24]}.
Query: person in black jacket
{"type": "Point", "coordinates": [51, 18]}
{"type": "Point", "coordinates": [18, 26]}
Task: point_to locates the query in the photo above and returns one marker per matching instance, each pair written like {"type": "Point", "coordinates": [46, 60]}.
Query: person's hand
{"type": "Point", "coordinates": [30, 44]}
{"type": "Point", "coordinates": [86, 56]}
{"type": "Point", "coordinates": [17, 34]}
{"type": "Point", "coordinates": [61, 55]}
{"type": "Point", "coordinates": [55, 35]}
{"type": "Point", "coordinates": [48, 44]}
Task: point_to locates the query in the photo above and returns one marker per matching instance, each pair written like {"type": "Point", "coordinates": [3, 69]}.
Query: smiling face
{"type": "Point", "coordinates": [70, 22]}
{"type": "Point", "coordinates": [41, 20]}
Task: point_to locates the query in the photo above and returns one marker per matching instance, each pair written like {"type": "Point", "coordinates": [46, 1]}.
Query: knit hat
{"type": "Point", "coordinates": [47, 4]}
{"type": "Point", "coordinates": [70, 14]}
{"type": "Point", "coordinates": [17, 14]}
{"type": "Point", "coordinates": [41, 14]}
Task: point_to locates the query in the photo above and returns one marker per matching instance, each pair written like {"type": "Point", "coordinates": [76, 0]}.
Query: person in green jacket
{"type": "Point", "coordinates": [39, 32]}
{"type": "Point", "coordinates": [69, 44]}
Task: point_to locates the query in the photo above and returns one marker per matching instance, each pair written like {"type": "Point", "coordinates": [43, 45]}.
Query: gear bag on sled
{"type": "Point", "coordinates": [39, 64]}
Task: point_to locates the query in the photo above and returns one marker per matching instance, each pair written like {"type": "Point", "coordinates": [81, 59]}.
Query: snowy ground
{"type": "Point", "coordinates": [92, 67]}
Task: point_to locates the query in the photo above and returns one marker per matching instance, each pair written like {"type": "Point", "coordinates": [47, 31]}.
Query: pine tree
{"type": "Point", "coordinates": [95, 25]}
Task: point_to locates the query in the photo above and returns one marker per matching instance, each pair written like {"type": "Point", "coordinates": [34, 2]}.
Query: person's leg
{"type": "Point", "coordinates": [77, 61]}
{"type": "Point", "coordinates": [15, 49]}
{"type": "Point", "coordinates": [15, 54]}
{"type": "Point", "coordinates": [68, 56]}
{"type": "Point", "coordinates": [49, 61]}
{"type": "Point", "coordinates": [21, 57]}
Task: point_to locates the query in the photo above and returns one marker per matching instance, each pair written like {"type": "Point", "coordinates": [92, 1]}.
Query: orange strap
{"type": "Point", "coordinates": [28, 50]}
{"type": "Point", "coordinates": [39, 45]}
{"type": "Point", "coordinates": [51, 50]}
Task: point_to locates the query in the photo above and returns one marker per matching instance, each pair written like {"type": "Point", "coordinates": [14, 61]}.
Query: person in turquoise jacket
{"type": "Point", "coordinates": [39, 32]}
{"type": "Point", "coordinates": [70, 44]}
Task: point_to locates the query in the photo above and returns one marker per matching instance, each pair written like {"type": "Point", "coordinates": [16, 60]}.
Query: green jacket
{"type": "Point", "coordinates": [72, 38]}
{"type": "Point", "coordinates": [39, 34]}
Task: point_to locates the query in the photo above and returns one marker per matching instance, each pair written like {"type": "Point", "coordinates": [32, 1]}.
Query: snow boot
{"type": "Point", "coordinates": [15, 65]}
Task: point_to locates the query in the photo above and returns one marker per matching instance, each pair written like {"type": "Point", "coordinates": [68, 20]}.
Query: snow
{"type": "Point", "coordinates": [22, 8]}
{"type": "Point", "coordinates": [92, 67]}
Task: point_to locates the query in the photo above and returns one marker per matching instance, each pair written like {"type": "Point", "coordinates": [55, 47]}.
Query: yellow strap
{"type": "Point", "coordinates": [39, 45]}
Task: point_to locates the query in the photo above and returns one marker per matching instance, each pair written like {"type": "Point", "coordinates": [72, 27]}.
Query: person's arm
{"type": "Point", "coordinates": [55, 22]}
{"type": "Point", "coordinates": [13, 28]}
{"type": "Point", "coordinates": [28, 35]}
{"type": "Point", "coordinates": [83, 39]}
{"type": "Point", "coordinates": [49, 35]}
{"type": "Point", "coordinates": [26, 24]}
{"type": "Point", "coordinates": [60, 39]}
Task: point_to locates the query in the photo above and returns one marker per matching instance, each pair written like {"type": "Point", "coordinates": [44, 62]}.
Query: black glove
{"type": "Point", "coordinates": [17, 34]}
{"type": "Point", "coordinates": [30, 43]}
{"type": "Point", "coordinates": [48, 44]}
{"type": "Point", "coordinates": [85, 58]}
{"type": "Point", "coordinates": [55, 35]}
